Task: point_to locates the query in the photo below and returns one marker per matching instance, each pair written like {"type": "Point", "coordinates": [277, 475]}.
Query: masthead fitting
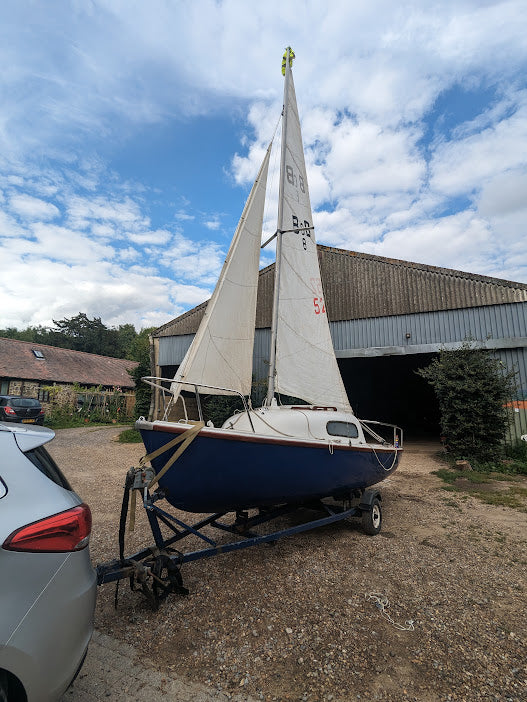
{"type": "Point", "coordinates": [284, 59]}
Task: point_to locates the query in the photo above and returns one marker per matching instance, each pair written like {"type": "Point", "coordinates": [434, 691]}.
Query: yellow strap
{"type": "Point", "coordinates": [185, 439]}
{"type": "Point", "coordinates": [150, 456]}
{"type": "Point", "coordinates": [133, 502]}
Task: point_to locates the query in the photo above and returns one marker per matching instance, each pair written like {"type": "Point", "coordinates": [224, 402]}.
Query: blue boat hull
{"type": "Point", "coordinates": [221, 471]}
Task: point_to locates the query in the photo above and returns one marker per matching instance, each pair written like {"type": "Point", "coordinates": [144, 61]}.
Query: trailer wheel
{"type": "Point", "coordinates": [372, 518]}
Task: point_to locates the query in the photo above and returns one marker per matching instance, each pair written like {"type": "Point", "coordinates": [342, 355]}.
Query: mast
{"type": "Point", "coordinates": [288, 59]}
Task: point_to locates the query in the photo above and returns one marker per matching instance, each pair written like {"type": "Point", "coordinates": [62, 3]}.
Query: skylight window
{"type": "Point", "coordinates": [38, 353]}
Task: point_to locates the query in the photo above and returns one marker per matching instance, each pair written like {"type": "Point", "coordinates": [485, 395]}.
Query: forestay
{"type": "Point", "coordinates": [221, 352]}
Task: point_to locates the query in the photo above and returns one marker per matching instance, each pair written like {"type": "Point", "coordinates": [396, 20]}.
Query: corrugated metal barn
{"type": "Point", "coordinates": [388, 318]}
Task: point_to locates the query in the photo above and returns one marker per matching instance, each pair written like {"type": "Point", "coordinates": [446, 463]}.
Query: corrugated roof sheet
{"type": "Point", "coordinates": [363, 286]}
{"type": "Point", "coordinates": [17, 360]}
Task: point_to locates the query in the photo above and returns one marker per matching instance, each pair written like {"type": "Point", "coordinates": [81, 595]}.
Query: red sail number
{"type": "Point", "coordinates": [320, 308]}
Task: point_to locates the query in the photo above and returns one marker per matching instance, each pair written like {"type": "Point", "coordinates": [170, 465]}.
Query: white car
{"type": "Point", "coordinates": [47, 582]}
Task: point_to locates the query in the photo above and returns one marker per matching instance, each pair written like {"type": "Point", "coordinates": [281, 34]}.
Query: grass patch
{"type": "Point", "coordinates": [501, 499]}
{"type": "Point", "coordinates": [451, 476]}
{"type": "Point", "coordinates": [497, 488]}
{"type": "Point", "coordinates": [450, 488]}
{"type": "Point", "coordinates": [512, 462]}
{"type": "Point", "coordinates": [74, 422]}
{"type": "Point", "coordinates": [452, 503]}
{"type": "Point", "coordinates": [130, 436]}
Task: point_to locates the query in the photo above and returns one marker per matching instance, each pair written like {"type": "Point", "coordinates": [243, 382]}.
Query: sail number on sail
{"type": "Point", "coordinates": [318, 302]}
{"type": "Point", "coordinates": [292, 179]}
{"type": "Point", "coordinates": [305, 226]}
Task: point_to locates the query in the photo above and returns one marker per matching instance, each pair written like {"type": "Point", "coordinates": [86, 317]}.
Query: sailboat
{"type": "Point", "coordinates": [275, 454]}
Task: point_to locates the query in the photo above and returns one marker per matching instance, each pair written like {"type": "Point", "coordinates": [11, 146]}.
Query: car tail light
{"type": "Point", "coordinates": [63, 532]}
{"type": "Point", "coordinates": [10, 411]}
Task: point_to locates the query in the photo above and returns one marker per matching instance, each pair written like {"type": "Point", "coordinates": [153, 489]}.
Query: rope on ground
{"type": "Point", "coordinates": [382, 604]}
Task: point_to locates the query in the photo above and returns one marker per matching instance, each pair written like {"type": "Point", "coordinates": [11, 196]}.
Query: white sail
{"type": "Point", "coordinates": [221, 352]}
{"type": "Point", "coordinates": [306, 366]}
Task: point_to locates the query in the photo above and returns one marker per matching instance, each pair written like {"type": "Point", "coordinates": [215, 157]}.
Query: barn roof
{"type": "Point", "coordinates": [52, 364]}
{"type": "Point", "coordinates": [362, 286]}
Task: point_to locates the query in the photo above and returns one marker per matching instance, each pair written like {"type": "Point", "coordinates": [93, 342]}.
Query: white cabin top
{"type": "Point", "coordinates": [306, 422]}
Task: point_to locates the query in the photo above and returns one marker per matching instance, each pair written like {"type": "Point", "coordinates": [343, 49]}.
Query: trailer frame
{"type": "Point", "coordinates": [155, 570]}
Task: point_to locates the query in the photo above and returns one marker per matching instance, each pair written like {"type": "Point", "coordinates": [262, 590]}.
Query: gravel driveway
{"type": "Point", "coordinates": [295, 622]}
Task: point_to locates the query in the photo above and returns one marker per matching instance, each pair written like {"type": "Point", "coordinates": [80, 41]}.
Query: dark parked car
{"type": "Point", "coordinates": [47, 582]}
{"type": "Point", "coordinates": [25, 410]}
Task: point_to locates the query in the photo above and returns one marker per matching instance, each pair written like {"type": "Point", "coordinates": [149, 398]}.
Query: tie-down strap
{"type": "Point", "coordinates": [185, 439]}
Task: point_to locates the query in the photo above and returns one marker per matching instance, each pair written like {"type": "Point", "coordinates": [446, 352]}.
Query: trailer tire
{"type": "Point", "coordinates": [372, 518]}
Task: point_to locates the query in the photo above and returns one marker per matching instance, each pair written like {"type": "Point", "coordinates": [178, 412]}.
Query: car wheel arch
{"type": "Point", "coordinates": [11, 689]}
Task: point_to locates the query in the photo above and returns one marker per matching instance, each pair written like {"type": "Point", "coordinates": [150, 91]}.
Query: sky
{"type": "Point", "coordinates": [131, 131]}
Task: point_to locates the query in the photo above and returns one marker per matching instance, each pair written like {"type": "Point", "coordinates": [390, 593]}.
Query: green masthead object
{"type": "Point", "coordinates": [291, 57]}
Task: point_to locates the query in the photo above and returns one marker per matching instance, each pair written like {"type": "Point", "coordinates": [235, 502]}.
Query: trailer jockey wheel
{"type": "Point", "coordinates": [166, 578]}
{"type": "Point", "coordinates": [372, 518]}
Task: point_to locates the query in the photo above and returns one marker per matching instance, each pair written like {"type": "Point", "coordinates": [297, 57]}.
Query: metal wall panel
{"type": "Point", "coordinates": [496, 326]}
{"type": "Point", "coordinates": [516, 359]}
{"type": "Point", "coordinates": [172, 349]}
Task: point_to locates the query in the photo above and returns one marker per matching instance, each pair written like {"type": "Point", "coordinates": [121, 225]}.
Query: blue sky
{"type": "Point", "coordinates": [130, 133]}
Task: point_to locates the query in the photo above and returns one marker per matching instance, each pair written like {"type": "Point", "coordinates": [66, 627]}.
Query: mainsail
{"type": "Point", "coordinates": [306, 366]}
{"type": "Point", "coordinates": [221, 352]}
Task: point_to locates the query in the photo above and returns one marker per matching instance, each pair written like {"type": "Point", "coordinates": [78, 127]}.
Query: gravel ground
{"type": "Point", "coordinates": [294, 621]}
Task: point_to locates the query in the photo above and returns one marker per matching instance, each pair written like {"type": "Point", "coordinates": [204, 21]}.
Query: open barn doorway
{"type": "Point", "coordinates": [388, 389]}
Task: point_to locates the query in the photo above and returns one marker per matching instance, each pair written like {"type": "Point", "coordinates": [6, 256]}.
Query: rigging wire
{"type": "Point", "coordinates": [275, 170]}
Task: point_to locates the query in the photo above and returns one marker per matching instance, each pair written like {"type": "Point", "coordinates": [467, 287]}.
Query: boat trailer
{"type": "Point", "coordinates": [155, 570]}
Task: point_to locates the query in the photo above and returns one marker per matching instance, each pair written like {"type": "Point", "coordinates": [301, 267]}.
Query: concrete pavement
{"type": "Point", "coordinates": [115, 670]}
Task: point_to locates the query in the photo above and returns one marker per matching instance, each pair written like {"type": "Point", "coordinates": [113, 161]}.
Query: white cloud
{"type": "Point", "coordinates": [157, 237]}
{"type": "Point", "coordinates": [504, 194]}
{"type": "Point", "coordinates": [183, 216]}
{"type": "Point", "coordinates": [195, 261]}
{"type": "Point", "coordinates": [129, 254]}
{"type": "Point", "coordinates": [32, 208]}
{"type": "Point", "coordinates": [462, 237]}
{"type": "Point", "coordinates": [466, 164]}
{"type": "Point", "coordinates": [81, 85]}
{"type": "Point", "coordinates": [125, 214]}
{"type": "Point", "coordinates": [213, 224]}
{"type": "Point", "coordinates": [60, 243]}
{"type": "Point", "coordinates": [9, 227]}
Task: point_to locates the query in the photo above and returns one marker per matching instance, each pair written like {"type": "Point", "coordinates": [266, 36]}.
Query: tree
{"type": "Point", "coordinates": [126, 336]}
{"type": "Point", "coordinates": [80, 333]}
{"type": "Point", "coordinates": [472, 389]}
{"type": "Point", "coordinates": [35, 335]}
{"type": "Point", "coordinates": [140, 352]}
{"type": "Point", "coordinates": [90, 335]}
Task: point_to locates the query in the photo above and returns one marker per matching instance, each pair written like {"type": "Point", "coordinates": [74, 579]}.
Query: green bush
{"type": "Point", "coordinates": [218, 408]}
{"type": "Point", "coordinates": [130, 436]}
{"type": "Point", "coordinates": [472, 389]}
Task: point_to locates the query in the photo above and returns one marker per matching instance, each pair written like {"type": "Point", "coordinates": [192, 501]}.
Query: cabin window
{"type": "Point", "coordinates": [346, 429]}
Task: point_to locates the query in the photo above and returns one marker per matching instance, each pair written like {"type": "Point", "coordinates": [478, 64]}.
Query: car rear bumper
{"type": "Point", "coordinates": [25, 420]}
{"type": "Point", "coordinates": [48, 647]}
